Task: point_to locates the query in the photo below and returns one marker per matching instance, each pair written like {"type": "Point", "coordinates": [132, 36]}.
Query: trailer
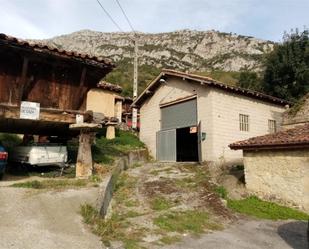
{"type": "Point", "coordinates": [40, 155]}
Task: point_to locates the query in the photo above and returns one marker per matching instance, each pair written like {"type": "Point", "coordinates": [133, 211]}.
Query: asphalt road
{"type": "Point", "coordinates": [252, 234]}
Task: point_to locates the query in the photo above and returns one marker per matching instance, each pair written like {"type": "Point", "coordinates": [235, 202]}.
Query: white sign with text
{"type": "Point", "coordinates": [29, 110]}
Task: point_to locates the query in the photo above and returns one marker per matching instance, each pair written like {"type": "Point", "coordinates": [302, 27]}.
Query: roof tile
{"type": "Point", "coordinates": [298, 136]}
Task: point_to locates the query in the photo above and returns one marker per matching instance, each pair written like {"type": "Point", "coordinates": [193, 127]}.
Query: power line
{"type": "Point", "coordinates": [110, 17]}
{"type": "Point", "coordinates": [125, 15]}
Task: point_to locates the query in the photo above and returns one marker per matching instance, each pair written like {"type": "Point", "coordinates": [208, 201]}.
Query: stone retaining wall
{"type": "Point", "coordinates": [281, 175]}
{"type": "Point", "coordinates": [121, 164]}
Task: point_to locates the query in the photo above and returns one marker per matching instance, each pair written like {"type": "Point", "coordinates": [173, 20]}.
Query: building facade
{"type": "Point", "coordinates": [185, 117]}
{"type": "Point", "coordinates": [277, 166]}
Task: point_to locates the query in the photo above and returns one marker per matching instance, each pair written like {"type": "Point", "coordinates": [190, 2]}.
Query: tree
{"type": "Point", "coordinates": [287, 67]}
{"type": "Point", "coordinates": [249, 80]}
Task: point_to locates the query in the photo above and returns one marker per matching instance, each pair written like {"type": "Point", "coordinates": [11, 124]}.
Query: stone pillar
{"type": "Point", "coordinates": [110, 132]}
{"type": "Point", "coordinates": [84, 163]}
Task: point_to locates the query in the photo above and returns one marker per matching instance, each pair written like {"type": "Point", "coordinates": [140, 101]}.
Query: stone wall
{"type": "Point", "coordinates": [279, 175]}
{"type": "Point", "coordinates": [121, 164]}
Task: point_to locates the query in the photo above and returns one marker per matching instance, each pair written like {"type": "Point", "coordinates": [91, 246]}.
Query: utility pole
{"type": "Point", "coordinates": [135, 80]}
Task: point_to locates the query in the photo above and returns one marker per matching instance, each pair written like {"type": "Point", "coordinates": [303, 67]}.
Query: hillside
{"type": "Point", "coordinates": [195, 51]}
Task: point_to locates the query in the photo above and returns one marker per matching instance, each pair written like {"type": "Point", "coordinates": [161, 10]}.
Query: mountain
{"type": "Point", "coordinates": [205, 52]}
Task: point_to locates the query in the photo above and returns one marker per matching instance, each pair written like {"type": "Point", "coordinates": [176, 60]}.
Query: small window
{"type": "Point", "coordinates": [243, 122]}
{"type": "Point", "coordinates": [272, 127]}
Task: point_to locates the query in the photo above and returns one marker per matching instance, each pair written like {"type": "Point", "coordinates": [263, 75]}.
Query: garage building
{"type": "Point", "coordinates": [186, 117]}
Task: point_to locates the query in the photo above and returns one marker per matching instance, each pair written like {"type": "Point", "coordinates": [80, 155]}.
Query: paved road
{"type": "Point", "coordinates": [251, 234]}
{"type": "Point", "coordinates": [49, 220]}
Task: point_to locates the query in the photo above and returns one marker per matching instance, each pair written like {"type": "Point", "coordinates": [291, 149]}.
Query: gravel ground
{"type": "Point", "coordinates": [31, 219]}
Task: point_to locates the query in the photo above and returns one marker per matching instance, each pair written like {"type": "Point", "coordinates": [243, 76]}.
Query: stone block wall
{"type": "Point", "coordinates": [281, 175]}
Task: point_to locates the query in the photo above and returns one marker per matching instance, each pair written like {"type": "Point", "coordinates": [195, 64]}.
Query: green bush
{"type": "Point", "coordinates": [105, 150]}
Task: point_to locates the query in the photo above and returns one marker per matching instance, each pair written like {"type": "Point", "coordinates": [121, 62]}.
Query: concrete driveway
{"type": "Point", "coordinates": [31, 219]}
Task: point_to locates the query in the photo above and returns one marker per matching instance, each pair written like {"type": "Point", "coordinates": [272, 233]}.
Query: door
{"type": "Point", "coordinates": [199, 142]}
{"type": "Point", "coordinates": [166, 145]}
{"type": "Point", "coordinates": [179, 115]}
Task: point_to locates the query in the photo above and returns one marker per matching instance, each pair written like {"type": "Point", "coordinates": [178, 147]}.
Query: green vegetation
{"type": "Point", "coordinates": [250, 80]}
{"type": "Point", "coordinates": [230, 78]}
{"type": "Point", "coordinates": [265, 210]}
{"type": "Point", "coordinates": [160, 203]}
{"type": "Point", "coordinates": [52, 184]}
{"type": "Point", "coordinates": [9, 140]}
{"type": "Point", "coordinates": [297, 106]}
{"type": "Point", "coordinates": [221, 191]}
{"type": "Point", "coordinates": [168, 240]}
{"type": "Point", "coordinates": [116, 227]}
{"type": "Point", "coordinates": [104, 151]}
{"type": "Point", "coordinates": [287, 67]}
{"type": "Point", "coordinates": [186, 221]}
{"type": "Point", "coordinates": [123, 75]}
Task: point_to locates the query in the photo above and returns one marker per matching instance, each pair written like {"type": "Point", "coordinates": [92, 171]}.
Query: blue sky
{"type": "Point", "coordinates": [266, 19]}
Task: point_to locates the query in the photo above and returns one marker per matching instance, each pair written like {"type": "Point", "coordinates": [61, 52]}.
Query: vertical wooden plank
{"type": "Point", "coordinates": [23, 77]}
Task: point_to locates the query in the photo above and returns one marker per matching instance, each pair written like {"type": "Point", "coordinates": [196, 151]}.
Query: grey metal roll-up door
{"type": "Point", "coordinates": [179, 115]}
{"type": "Point", "coordinates": [166, 145]}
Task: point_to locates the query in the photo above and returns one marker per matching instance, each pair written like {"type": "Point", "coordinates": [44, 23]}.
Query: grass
{"type": "Point", "coordinates": [106, 150]}
{"type": "Point", "coordinates": [193, 221]}
{"type": "Point", "coordinates": [258, 208]}
{"type": "Point", "coordinates": [54, 184]}
{"type": "Point", "coordinates": [221, 191]}
{"type": "Point", "coordinates": [160, 203]}
{"type": "Point", "coordinates": [113, 228]}
{"type": "Point", "coordinates": [168, 240]}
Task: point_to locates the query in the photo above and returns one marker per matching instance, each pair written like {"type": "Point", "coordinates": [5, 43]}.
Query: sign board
{"type": "Point", "coordinates": [29, 110]}
{"type": "Point", "coordinates": [79, 119]}
{"type": "Point", "coordinates": [193, 129]}
{"type": "Point", "coordinates": [134, 118]}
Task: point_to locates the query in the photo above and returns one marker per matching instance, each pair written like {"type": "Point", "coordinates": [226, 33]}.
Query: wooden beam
{"type": "Point", "coordinates": [83, 77]}
{"type": "Point", "coordinates": [23, 77]}
{"type": "Point", "coordinates": [46, 114]}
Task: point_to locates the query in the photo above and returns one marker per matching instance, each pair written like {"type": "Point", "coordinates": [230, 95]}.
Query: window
{"type": "Point", "coordinates": [243, 122]}
{"type": "Point", "coordinates": [272, 127]}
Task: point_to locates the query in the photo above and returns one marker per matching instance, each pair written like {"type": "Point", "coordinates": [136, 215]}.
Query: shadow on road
{"type": "Point", "coordinates": [295, 234]}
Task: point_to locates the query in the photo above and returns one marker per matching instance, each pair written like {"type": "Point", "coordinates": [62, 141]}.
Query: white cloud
{"type": "Point", "coordinates": [13, 23]}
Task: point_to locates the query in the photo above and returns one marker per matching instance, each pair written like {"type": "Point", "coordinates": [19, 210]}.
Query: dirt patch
{"type": "Point", "coordinates": [154, 205]}
{"type": "Point", "coordinates": [164, 186]}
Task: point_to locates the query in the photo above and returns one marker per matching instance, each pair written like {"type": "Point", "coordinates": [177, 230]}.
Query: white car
{"type": "Point", "coordinates": [40, 154]}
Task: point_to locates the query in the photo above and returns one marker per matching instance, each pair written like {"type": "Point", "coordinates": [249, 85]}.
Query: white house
{"type": "Point", "coordinates": [186, 117]}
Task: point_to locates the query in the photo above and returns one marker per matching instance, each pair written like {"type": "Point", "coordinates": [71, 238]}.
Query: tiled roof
{"type": "Point", "coordinates": [206, 81]}
{"type": "Point", "coordinates": [43, 48]}
{"type": "Point", "coordinates": [109, 86]}
{"type": "Point", "coordinates": [297, 137]}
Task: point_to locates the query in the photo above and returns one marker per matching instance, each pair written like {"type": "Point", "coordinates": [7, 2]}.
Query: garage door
{"type": "Point", "coordinates": [166, 145]}
{"type": "Point", "coordinates": [179, 115]}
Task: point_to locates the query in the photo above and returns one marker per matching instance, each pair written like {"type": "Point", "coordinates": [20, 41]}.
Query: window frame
{"type": "Point", "coordinates": [272, 126]}
{"type": "Point", "coordinates": [244, 124]}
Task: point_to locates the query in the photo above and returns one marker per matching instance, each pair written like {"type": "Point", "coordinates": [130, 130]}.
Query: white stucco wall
{"type": "Point", "coordinates": [279, 174]}
{"type": "Point", "coordinates": [226, 108]}
{"type": "Point", "coordinates": [218, 112]}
